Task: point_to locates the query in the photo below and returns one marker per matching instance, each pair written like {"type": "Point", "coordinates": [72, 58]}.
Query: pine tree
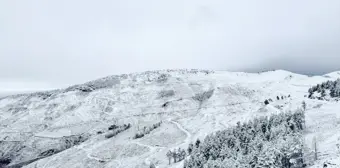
{"type": "Point", "coordinates": [266, 102]}
{"type": "Point", "coordinates": [323, 93]}
{"type": "Point", "coordinates": [190, 148]}
{"type": "Point", "coordinates": [198, 142]}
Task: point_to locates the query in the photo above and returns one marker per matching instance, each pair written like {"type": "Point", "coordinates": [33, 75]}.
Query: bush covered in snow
{"type": "Point", "coordinates": [166, 93]}
{"type": "Point", "coordinates": [266, 102]}
{"type": "Point", "coordinates": [73, 140]}
{"type": "Point", "coordinates": [274, 142]}
{"type": "Point", "coordinates": [203, 96]}
{"type": "Point", "coordinates": [146, 130]}
{"type": "Point", "coordinates": [115, 130]}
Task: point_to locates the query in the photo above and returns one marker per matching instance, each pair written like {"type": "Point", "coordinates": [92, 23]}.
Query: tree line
{"type": "Point", "coordinates": [147, 130]}
{"type": "Point", "coordinates": [115, 130]}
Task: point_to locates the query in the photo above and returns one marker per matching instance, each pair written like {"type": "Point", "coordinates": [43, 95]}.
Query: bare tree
{"type": "Point", "coordinates": [304, 106]}
{"type": "Point", "coordinates": [174, 155]}
{"type": "Point", "coordinates": [315, 148]}
{"type": "Point", "coordinates": [169, 155]}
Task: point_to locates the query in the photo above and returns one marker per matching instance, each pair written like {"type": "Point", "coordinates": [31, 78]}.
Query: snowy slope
{"type": "Point", "coordinates": [190, 103]}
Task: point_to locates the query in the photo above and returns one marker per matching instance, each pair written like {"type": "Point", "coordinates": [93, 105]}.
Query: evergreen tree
{"type": "Point", "coordinates": [266, 102]}
{"type": "Point", "coordinates": [323, 93]}
{"type": "Point", "coordinates": [190, 148]}
{"type": "Point", "coordinates": [197, 144]}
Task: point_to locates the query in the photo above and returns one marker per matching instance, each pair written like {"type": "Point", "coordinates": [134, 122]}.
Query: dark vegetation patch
{"type": "Point", "coordinates": [166, 93]}
{"type": "Point", "coordinates": [165, 105]}
{"type": "Point", "coordinates": [274, 141]}
{"type": "Point", "coordinates": [147, 130]}
{"type": "Point", "coordinates": [203, 96]}
{"type": "Point", "coordinates": [267, 101]}
{"type": "Point", "coordinates": [74, 140]}
{"type": "Point", "coordinates": [328, 88]}
{"type": "Point", "coordinates": [4, 162]}
{"type": "Point", "coordinates": [49, 152]}
{"type": "Point", "coordinates": [115, 130]}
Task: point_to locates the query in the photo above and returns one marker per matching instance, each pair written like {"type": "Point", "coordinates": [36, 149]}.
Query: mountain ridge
{"type": "Point", "coordinates": [168, 71]}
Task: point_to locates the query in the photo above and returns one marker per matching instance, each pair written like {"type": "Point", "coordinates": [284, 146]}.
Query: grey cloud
{"type": "Point", "coordinates": [67, 42]}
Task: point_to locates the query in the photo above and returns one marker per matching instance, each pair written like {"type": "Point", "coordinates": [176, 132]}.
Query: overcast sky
{"type": "Point", "coordinates": [49, 43]}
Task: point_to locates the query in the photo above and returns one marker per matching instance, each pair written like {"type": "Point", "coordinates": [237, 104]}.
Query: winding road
{"type": "Point", "coordinates": [88, 154]}
{"type": "Point", "coordinates": [188, 134]}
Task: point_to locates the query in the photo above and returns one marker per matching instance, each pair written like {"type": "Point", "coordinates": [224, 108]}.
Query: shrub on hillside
{"type": "Point", "coordinates": [147, 130]}
{"type": "Point", "coordinates": [116, 130]}
{"type": "Point", "coordinates": [74, 140]}
{"type": "Point", "coordinates": [204, 96]}
{"type": "Point", "coordinates": [4, 162]}
{"type": "Point", "coordinates": [266, 102]}
{"type": "Point", "coordinates": [166, 93]}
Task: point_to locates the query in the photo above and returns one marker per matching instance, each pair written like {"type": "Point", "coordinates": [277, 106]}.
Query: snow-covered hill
{"type": "Point", "coordinates": [69, 127]}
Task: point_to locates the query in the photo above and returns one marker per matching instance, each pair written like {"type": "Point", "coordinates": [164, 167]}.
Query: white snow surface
{"type": "Point", "coordinates": [40, 121]}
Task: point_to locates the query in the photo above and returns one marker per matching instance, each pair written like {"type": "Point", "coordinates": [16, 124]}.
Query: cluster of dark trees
{"type": "Point", "coordinates": [114, 130]}
{"type": "Point", "coordinates": [177, 155]}
{"type": "Point", "coordinates": [147, 130]}
{"type": "Point", "coordinates": [274, 142]}
{"type": "Point", "coordinates": [4, 162]}
{"type": "Point", "coordinates": [332, 86]}
{"type": "Point", "coordinates": [112, 127]}
{"type": "Point", "coordinates": [267, 101]}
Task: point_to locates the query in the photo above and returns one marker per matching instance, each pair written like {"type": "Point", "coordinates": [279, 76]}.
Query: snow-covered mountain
{"type": "Point", "coordinates": [70, 127]}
